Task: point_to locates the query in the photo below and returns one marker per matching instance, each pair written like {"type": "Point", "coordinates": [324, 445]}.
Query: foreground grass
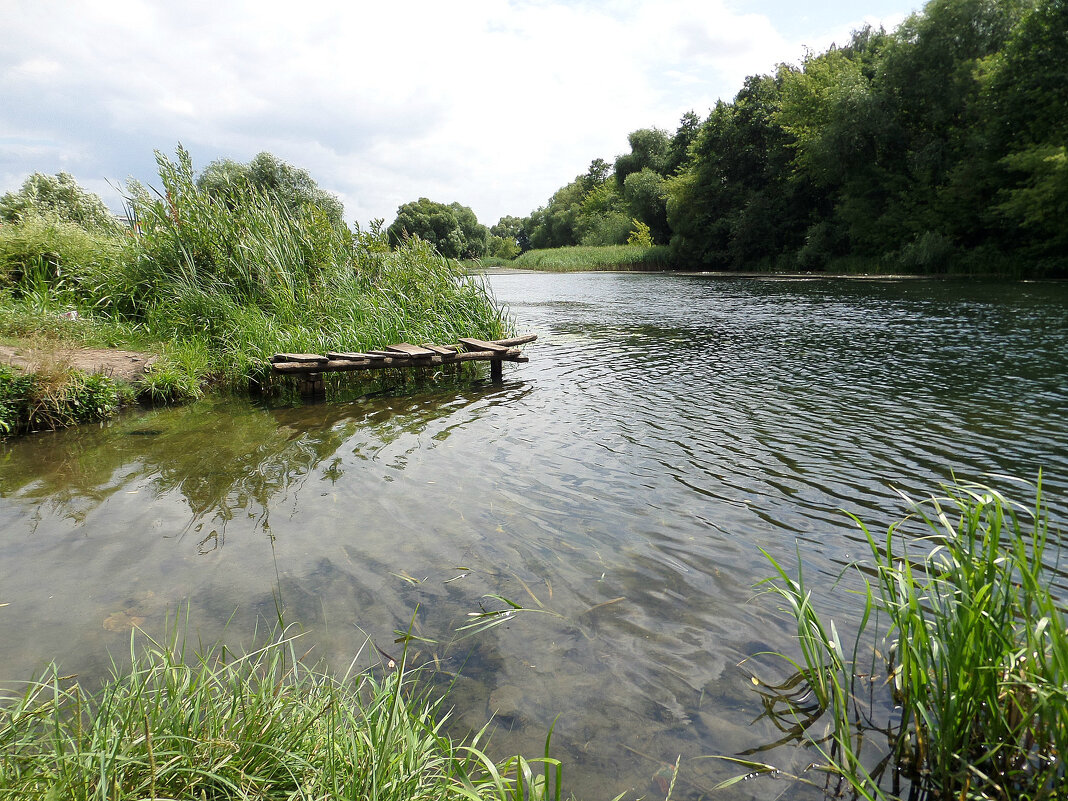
{"type": "Point", "coordinates": [975, 658]}
{"type": "Point", "coordinates": [209, 725]}
{"type": "Point", "coordinates": [608, 257]}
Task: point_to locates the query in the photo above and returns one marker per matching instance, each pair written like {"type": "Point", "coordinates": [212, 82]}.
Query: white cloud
{"type": "Point", "coordinates": [493, 103]}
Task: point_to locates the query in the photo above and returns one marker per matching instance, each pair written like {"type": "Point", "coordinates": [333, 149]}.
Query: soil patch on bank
{"type": "Point", "coordinates": [124, 365]}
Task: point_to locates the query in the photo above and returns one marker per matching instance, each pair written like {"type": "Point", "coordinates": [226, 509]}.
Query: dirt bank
{"type": "Point", "coordinates": [124, 365]}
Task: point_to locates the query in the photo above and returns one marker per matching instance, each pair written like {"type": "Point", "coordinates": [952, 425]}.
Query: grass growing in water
{"type": "Point", "coordinates": [210, 725]}
{"type": "Point", "coordinates": [607, 257]}
{"type": "Point", "coordinates": [976, 657]}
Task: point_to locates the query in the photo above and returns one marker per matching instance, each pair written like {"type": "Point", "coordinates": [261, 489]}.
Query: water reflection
{"type": "Point", "coordinates": [624, 480]}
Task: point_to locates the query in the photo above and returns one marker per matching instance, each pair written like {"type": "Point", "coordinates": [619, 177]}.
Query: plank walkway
{"type": "Point", "coordinates": [404, 355]}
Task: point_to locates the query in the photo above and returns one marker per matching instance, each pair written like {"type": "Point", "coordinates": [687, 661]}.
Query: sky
{"type": "Point", "coordinates": [494, 104]}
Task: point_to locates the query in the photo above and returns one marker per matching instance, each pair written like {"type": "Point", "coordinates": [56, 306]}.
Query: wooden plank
{"type": "Point", "coordinates": [387, 354]}
{"type": "Point", "coordinates": [522, 340]}
{"type": "Point", "coordinates": [414, 351]}
{"type": "Point", "coordinates": [346, 355]}
{"type": "Point", "coordinates": [446, 352]}
{"type": "Point", "coordinates": [298, 357]}
{"type": "Point", "coordinates": [481, 344]}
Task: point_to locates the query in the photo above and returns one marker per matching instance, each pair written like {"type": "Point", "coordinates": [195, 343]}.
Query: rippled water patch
{"type": "Point", "coordinates": [621, 484]}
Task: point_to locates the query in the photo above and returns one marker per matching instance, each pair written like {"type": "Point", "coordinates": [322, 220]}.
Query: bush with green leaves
{"type": "Point", "coordinates": [452, 229]}
{"type": "Point", "coordinates": [57, 196]}
{"type": "Point", "coordinates": [59, 260]}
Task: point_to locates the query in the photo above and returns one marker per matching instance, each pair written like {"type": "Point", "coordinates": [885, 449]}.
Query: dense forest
{"type": "Point", "coordinates": [938, 146]}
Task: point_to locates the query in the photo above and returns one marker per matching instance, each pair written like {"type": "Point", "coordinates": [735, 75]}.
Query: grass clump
{"type": "Point", "coordinates": [54, 397]}
{"type": "Point", "coordinates": [590, 257]}
{"type": "Point", "coordinates": [262, 725]}
{"type": "Point", "coordinates": [974, 658]}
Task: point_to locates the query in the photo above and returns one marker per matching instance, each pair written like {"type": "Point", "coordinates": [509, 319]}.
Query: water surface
{"type": "Point", "coordinates": [619, 487]}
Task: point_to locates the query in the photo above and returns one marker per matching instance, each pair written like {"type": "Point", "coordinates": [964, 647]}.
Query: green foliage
{"type": "Point", "coordinates": [55, 397]}
{"type": "Point", "coordinates": [57, 259]}
{"type": "Point", "coordinates": [247, 245]}
{"type": "Point", "coordinates": [179, 375]}
{"type": "Point", "coordinates": [649, 149]}
{"type": "Point", "coordinates": [930, 148]}
{"type": "Point", "coordinates": [976, 655]}
{"type": "Point", "coordinates": [215, 724]}
{"type": "Point", "coordinates": [15, 389]}
{"type": "Point", "coordinates": [220, 280]}
{"type": "Point", "coordinates": [580, 258]}
{"type": "Point", "coordinates": [505, 248]}
{"type": "Point", "coordinates": [1038, 199]}
{"type": "Point", "coordinates": [266, 174]}
{"type": "Point", "coordinates": [640, 236]}
{"type": "Point", "coordinates": [645, 193]}
{"type": "Point", "coordinates": [452, 229]}
{"type": "Point", "coordinates": [57, 196]}
{"type": "Point", "coordinates": [678, 155]}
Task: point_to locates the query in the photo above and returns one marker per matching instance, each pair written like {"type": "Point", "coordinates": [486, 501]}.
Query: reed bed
{"type": "Point", "coordinates": [261, 725]}
{"type": "Point", "coordinates": [587, 257]}
{"type": "Point", "coordinates": [218, 283]}
{"type": "Point", "coordinates": [973, 660]}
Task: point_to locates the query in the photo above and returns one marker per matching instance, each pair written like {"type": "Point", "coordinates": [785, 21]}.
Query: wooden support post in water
{"type": "Point", "coordinates": [311, 385]}
{"type": "Point", "coordinates": [497, 371]}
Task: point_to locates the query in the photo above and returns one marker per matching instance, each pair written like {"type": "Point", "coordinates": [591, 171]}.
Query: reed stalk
{"type": "Point", "coordinates": [976, 655]}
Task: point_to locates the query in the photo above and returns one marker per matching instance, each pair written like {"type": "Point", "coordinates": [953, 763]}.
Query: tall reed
{"type": "Point", "coordinates": [590, 257]}
{"type": "Point", "coordinates": [976, 655]}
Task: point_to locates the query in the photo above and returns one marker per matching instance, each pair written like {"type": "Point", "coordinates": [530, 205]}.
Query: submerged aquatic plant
{"type": "Point", "coordinates": [975, 658]}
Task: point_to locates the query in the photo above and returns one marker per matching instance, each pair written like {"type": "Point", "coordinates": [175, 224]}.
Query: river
{"type": "Point", "coordinates": [619, 488]}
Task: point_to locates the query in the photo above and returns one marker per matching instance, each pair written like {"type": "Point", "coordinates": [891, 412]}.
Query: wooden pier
{"type": "Point", "coordinates": [309, 367]}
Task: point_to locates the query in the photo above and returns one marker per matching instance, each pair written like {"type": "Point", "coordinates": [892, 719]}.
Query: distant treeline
{"type": "Point", "coordinates": [939, 146]}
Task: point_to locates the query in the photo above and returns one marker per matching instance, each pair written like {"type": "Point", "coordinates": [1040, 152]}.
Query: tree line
{"type": "Point", "coordinates": [938, 146]}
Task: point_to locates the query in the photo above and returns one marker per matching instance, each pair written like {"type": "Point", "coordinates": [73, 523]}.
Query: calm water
{"type": "Point", "coordinates": [621, 484]}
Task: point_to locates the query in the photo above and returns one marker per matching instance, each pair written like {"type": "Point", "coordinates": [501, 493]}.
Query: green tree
{"type": "Point", "coordinates": [738, 202]}
{"type": "Point", "coordinates": [292, 186]}
{"type": "Point", "coordinates": [513, 228]}
{"type": "Point", "coordinates": [59, 196]}
{"type": "Point", "coordinates": [641, 235]}
{"type": "Point", "coordinates": [646, 195]}
{"type": "Point", "coordinates": [501, 247]}
{"type": "Point", "coordinates": [649, 148]}
{"type": "Point", "coordinates": [452, 229]}
{"type": "Point", "coordinates": [679, 150]}
{"type": "Point", "coordinates": [1026, 94]}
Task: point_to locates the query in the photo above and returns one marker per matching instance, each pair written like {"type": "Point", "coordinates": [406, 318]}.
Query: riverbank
{"type": "Point", "coordinates": [214, 284]}
{"type": "Point", "coordinates": [659, 258]}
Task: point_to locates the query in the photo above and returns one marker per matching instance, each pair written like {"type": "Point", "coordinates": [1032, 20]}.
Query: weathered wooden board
{"type": "Point", "coordinates": [481, 344]}
{"type": "Point", "coordinates": [523, 340]}
{"type": "Point", "coordinates": [298, 357]}
{"type": "Point", "coordinates": [414, 351]}
{"type": "Point", "coordinates": [346, 355]}
{"type": "Point", "coordinates": [446, 352]}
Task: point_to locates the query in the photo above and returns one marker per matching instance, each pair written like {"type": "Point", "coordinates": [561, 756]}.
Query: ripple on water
{"type": "Point", "coordinates": [621, 484]}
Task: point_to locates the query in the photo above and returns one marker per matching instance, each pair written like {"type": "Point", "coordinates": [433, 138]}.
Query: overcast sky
{"type": "Point", "coordinates": [492, 103]}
